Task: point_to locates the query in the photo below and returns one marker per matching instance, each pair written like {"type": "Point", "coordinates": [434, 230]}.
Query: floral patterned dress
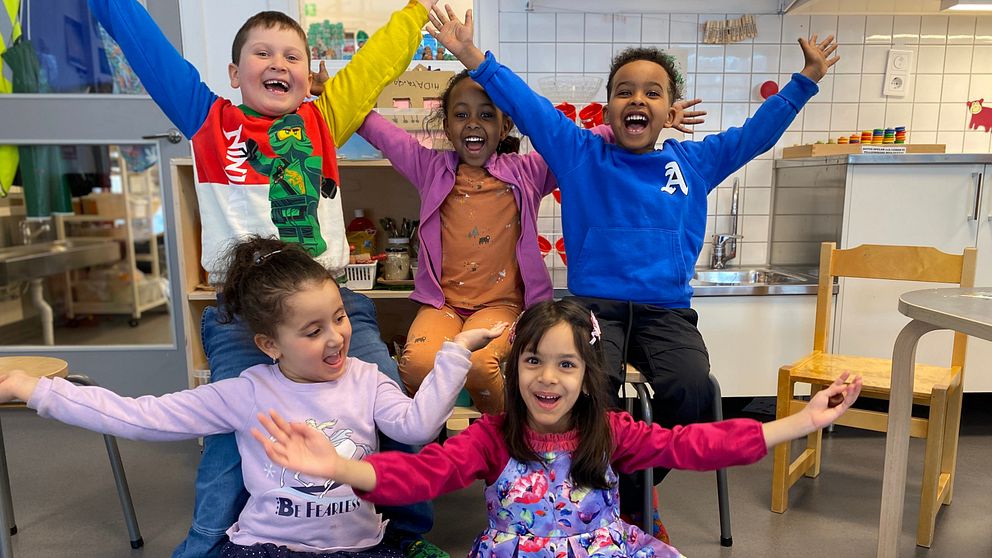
{"type": "Point", "coordinates": [535, 511]}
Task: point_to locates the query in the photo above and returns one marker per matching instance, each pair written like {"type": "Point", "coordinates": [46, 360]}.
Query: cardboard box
{"type": "Point", "coordinates": [415, 89]}
{"type": "Point", "coordinates": [828, 149]}
{"type": "Point", "coordinates": [104, 204]}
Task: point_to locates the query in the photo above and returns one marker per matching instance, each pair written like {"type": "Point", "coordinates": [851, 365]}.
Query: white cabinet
{"type": "Point", "coordinates": [750, 337]}
{"type": "Point", "coordinates": [939, 204]}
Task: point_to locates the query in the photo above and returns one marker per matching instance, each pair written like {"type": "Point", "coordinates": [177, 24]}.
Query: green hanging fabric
{"type": "Point", "coordinates": [42, 168]}
{"type": "Point", "coordinates": [10, 30]}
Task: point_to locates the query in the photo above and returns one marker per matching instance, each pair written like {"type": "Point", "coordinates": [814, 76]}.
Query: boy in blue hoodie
{"type": "Point", "coordinates": [633, 216]}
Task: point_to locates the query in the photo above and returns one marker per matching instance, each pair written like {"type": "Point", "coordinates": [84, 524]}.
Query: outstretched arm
{"type": "Point", "coordinates": [173, 83]}
{"type": "Point", "coordinates": [175, 416]}
{"type": "Point", "coordinates": [563, 144]}
{"type": "Point", "coordinates": [715, 445]}
{"type": "Point", "coordinates": [391, 477]}
{"type": "Point", "coordinates": [418, 420]}
{"type": "Point", "coordinates": [823, 409]}
{"type": "Point", "coordinates": [299, 447]}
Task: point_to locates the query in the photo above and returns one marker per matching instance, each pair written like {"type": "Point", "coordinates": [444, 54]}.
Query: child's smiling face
{"type": "Point", "coordinates": [311, 343]}
{"type": "Point", "coordinates": [273, 72]}
{"type": "Point", "coordinates": [551, 379]}
{"type": "Point", "coordinates": [640, 105]}
{"type": "Point", "coordinates": [473, 123]}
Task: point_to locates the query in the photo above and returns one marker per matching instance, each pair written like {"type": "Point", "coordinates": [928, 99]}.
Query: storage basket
{"type": "Point", "coordinates": [361, 277]}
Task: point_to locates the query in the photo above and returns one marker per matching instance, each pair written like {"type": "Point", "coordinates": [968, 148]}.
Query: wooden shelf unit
{"type": "Point", "coordinates": [370, 184]}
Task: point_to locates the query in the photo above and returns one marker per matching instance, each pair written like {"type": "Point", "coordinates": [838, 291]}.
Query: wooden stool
{"type": "Point", "coordinates": [640, 383]}
{"type": "Point", "coordinates": [460, 418]}
{"type": "Point", "coordinates": [48, 367]}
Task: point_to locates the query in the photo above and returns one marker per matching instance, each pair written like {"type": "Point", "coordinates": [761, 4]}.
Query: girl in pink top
{"type": "Point", "coordinates": [550, 461]}
{"type": "Point", "coordinates": [479, 261]}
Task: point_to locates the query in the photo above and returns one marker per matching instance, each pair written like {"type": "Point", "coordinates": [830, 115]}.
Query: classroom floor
{"type": "Point", "coordinates": [65, 502]}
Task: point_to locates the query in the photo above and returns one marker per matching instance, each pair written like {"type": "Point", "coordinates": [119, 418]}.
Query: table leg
{"type": "Point", "coordinates": [897, 437]}
{"type": "Point", "coordinates": [6, 509]}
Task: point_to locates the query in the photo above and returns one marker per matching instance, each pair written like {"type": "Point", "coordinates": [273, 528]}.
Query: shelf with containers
{"type": "Point", "coordinates": [119, 288]}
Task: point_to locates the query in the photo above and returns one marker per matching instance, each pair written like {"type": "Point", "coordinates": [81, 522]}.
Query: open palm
{"type": "Point", "coordinates": [450, 31]}
{"type": "Point", "coordinates": [817, 56]}
{"type": "Point", "coordinates": [297, 446]}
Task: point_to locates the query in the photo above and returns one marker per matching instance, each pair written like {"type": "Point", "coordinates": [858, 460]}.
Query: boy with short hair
{"type": "Point", "coordinates": [269, 167]}
{"type": "Point", "coordinates": [634, 216]}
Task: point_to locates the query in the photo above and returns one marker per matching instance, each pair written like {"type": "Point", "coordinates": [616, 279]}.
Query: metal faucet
{"type": "Point", "coordinates": [27, 236]}
{"type": "Point", "coordinates": [725, 245]}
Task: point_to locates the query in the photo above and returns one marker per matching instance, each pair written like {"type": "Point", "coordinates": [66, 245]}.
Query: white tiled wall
{"type": "Point", "coordinates": [952, 64]}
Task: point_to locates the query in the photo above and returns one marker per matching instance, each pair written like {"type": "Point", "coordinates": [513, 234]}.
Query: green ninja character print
{"type": "Point", "coordinates": [294, 178]}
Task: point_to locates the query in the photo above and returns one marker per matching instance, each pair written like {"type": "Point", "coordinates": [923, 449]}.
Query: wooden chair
{"type": "Point", "coordinates": [640, 384]}
{"type": "Point", "coordinates": [48, 367]}
{"type": "Point", "coordinates": [938, 387]}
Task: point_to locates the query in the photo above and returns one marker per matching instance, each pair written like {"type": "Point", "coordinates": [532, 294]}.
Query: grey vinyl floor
{"type": "Point", "coordinates": [65, 503]}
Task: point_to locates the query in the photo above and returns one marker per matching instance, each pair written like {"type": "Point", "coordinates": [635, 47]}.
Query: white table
{"type": "Point", "coordinates": [968, 311]}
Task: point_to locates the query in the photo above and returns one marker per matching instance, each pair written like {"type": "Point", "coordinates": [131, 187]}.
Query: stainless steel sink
{"type": "Point", "coordinates": [33, 261]}
{"type": "Point", "coordinates": [747, 277]}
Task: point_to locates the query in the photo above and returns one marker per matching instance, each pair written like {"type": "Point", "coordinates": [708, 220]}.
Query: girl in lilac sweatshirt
{"type": "Point", "coordinates": [293, 306]}
{"type": "Point", "coordinates": [479, 258]}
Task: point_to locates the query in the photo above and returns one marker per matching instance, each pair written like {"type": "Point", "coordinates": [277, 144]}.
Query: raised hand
{"type": "Point", "coordinates": [829, 404]}
{"type": "Point", "coordinates": [297, 446]}
{"type": "Point", "coordinates": [817, 55]}
{"type": "Point", "coordinates": [475, 339]}
{"type": "Point", "coordinates": [455, 35]}
{"type": "Point", "coordinates": [317, 80]}
{"type": "Point", "coordinates": [685, 117]}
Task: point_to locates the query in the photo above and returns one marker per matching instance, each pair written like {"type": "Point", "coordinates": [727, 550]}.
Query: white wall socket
{"type": "Point", "coordinates": [897, 73]}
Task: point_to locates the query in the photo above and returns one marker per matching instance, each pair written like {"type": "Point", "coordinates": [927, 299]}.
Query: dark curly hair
{"type": "Point", "coordinates": [434, 124]}
{"type": "Point", "coordinates": [651, 54]}
{"type": "Point", "coordinates": [592, 456]}
{"type": "Point", "coordinates": [262, 273]}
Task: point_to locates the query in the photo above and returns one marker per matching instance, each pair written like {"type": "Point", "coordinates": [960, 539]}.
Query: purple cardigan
{"type": "Point", "coordinates": [432, 173]}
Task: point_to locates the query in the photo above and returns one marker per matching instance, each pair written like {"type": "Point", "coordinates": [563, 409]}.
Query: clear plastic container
{"type": "Point", "coordinates": [397, 264]}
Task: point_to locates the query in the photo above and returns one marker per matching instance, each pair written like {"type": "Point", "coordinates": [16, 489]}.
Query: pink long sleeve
{"type": "Point", "coordinates": [477, 452]}
{"type": "Point", "coordinates": [697, 447]}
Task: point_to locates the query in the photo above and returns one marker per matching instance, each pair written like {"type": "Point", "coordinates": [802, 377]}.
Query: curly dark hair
{"type": "Point", "coordinates": [262, 273]}
{"type": "Point", "coordinates": [651, 54]}
{"type": "Point", "coordinates": [592, 456]}
{"type": "Point", "coordinates": [434, 123]}
{"type": "Point", "coordinates": [266, 20]}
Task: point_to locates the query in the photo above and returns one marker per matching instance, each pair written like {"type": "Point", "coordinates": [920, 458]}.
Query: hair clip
{"type": "Point", "coordinates": [260, 258]}
{"type": "Point", "coordinates": [596, 333]}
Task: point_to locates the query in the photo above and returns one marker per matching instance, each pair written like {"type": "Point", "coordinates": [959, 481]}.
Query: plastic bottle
{"type": "Point", "coordinates": [361, 234]}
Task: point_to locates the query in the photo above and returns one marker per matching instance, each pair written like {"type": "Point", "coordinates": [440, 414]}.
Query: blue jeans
{"type": "Point", "coordinates": [220, 491]}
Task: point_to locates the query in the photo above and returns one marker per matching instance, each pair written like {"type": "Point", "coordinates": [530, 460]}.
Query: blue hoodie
{"type": "Point", "coordinates": [634, 223]}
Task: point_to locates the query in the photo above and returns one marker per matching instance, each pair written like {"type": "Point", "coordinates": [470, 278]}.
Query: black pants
{"type": "Point", "coordinates": [665, 346]}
